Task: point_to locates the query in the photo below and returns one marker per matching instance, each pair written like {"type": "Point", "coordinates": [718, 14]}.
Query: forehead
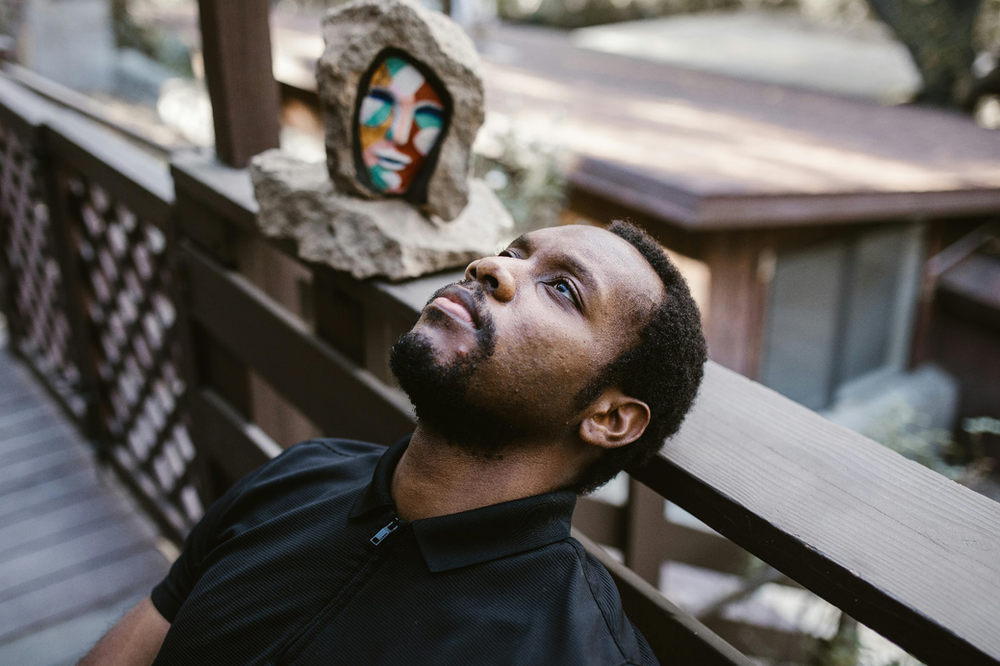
{"type": "Point", "coordinates": [397, 73]}
{"type": "Point", "coordinates": [616, 267]}
{"type": "Point", "coordinates": [403, 78]}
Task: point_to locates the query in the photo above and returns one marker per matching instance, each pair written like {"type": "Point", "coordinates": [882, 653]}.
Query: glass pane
{"type": "Point", "coordinates": [138, 61]}
{"type": "Point", "coordinates": [871, 311]}
{"type": "Point", "coordinates": [800, 338]}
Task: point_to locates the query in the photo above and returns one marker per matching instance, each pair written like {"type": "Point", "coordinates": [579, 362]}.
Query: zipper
{"type": "Point", "coordinates": [381, 535]}
{"type": "Point", "coordinates": [293, 649]}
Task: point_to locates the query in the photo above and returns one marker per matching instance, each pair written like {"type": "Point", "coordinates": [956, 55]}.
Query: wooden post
{"type": "Point", "coordinates": [236, 42]}
{"type": "Point", "coordinates": [737, 300]}
{"type": "Point", "coordinates": [644, 524]}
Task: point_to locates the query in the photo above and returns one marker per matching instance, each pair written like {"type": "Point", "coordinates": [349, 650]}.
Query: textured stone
{"type": "Point", "coordinates": [369, 237]}
{"type": "Point", "coordinates": [355, 34]}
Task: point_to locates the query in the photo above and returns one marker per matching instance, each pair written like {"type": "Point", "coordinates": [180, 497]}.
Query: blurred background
{"type": "Point", "coordinates": [825, 172]}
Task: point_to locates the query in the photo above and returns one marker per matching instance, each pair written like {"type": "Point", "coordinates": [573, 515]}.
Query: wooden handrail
{"type": "Point", "coordinates": [896, 546]}
{"type": "Point", "coordinates": [333, 392]}
{"type": "Point", "coordinates": [136, 179]}
{"type": "Point", "coordinates": [68, 98]}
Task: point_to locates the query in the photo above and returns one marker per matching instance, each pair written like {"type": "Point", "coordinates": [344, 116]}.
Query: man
{"type": "Point", "coordinates": [572, 353]}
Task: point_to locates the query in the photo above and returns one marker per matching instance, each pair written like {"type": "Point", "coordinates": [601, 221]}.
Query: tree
{"type": "Point", "coordinates": [938, 34]}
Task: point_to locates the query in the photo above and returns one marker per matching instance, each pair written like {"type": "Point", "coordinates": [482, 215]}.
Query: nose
{"type": "Point", "coordinates": [493, 272]}
{"type": "Point", "coordinates": [402, 121]}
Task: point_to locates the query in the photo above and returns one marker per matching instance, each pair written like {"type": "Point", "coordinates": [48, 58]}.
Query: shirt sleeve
{"type": "Point", "coordinates": [169, 594]}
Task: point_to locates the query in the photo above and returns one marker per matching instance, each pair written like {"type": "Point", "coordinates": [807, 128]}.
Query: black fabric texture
{"type": "Point", "coordinates": [285, 570]}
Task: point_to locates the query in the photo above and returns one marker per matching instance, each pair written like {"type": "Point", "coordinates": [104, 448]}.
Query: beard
{"type": "Point", "coordinates": [440, 392]}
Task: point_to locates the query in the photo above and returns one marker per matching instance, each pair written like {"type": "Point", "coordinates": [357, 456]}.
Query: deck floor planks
{"type": "Point", "coordinates": [66, 642]}
{"type": "Point", "coordinates": [124, 573]}
{"type": "Point", "coordinates": [56, 526]}
{"type": "Point", "coordinates": [28, 440]}
{"type": "Point", "coordinates": [25, 562]}
{"type": "Point", "coordinates": [28, 421]}
{"type": "Point", "coordinates": [49, 496]}
{"type": "Point", "coordinates": [35, 469]}
{"type": "Point", "coordinates": [35, 446]}
{"type": "Point", "coordinates": [75, 553]}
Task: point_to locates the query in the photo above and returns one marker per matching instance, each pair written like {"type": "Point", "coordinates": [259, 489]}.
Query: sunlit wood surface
{"type": "Point", "coordinates": [708, 151]}
{"type": "Point", "coordinates": [74, 553]}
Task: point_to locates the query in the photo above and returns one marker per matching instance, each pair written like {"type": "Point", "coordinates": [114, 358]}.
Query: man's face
{"type": "Point", "coordinates": [400, 122]}
{"type": "Point", "coordinates": [503, 354]}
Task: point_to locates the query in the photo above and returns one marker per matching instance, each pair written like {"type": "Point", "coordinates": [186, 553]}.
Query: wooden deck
{"type": "Point", "coordinates": [74, 551]}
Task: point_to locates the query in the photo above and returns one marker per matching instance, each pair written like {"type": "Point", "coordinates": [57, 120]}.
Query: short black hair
{"type": "Point", "coordinates": [664, 369]}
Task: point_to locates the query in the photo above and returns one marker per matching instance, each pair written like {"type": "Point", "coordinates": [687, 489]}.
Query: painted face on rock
{"type": "Point", "coordinates": [502, 355]}
{"type": "Point", "coordinates": [400, 121]}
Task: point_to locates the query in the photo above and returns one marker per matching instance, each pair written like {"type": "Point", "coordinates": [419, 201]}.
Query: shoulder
{"type": "Point", "coordinates": [320, 454]}
{"type": "Point", "coordinates": [584, 596]}
{"type": "Point", "coordinates": [604, 595]}
{"type": "Point", "coordinates": [325, 447]}
{"type": "Point", "coordinates": [302, 474]}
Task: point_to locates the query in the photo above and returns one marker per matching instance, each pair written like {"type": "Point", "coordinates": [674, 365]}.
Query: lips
{"type": "Point", "coordinates": [459, 303]}
{"type": "Point", "coordinates": [392, 159]}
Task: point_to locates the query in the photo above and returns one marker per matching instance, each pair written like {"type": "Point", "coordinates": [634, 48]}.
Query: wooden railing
{"type": "Point", "coordinates": [131, 291]}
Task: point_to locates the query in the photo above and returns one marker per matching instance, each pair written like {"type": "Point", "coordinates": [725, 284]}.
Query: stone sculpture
{"type": "Point", "coordinates": [403, 99]}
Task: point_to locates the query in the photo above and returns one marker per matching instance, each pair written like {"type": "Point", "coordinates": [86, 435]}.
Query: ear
{"type": "Point", "coordinates": [614, 420]}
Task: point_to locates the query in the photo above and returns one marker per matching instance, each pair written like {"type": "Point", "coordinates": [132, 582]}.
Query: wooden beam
{"type": "Point", "coordinates": [602, 522]}
{"type": "Point", "coordinates": [737, 300]}
{"type": "Point", "coordinates": [642, 529]}
{"type": "Point", "coordinates": [900, 548]}
{"type": "Point", "coordinates": [334, 393]}
{"type": "Point", "coordinates": [237, 445]}
{"type": "Point", "coordinates": [236, 43]}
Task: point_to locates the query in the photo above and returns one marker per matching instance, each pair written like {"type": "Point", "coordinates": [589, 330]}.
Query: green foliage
{"type": "Point", "coordinates": [843, 648]}
{"type": "Point", "coordinates": [986, 35]}
{"type": "Point", "coordinates": [527, 174]}
{"type": "Point", "coordinates": [150, 40]}
{"type": "Point", "coordinates": [908, 432]}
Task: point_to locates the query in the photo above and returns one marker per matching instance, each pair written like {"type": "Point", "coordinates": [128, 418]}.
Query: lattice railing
{"type": "Point", "coordinates": [88, 292]}
{"type": "Point", "coordinates": [38, 317]}
{"type": "Point", "coordinates": [125, 280]}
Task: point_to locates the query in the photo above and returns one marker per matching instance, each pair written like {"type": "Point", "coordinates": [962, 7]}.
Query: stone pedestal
{"type": "Point", "coordinates": [387, 237]}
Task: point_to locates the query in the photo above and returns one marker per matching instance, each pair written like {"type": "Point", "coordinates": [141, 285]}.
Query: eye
{"type": "Point", "coordinates": [510, 253]}
{"type": "Point", "coordinates": [565, 289]}
{"type": "Point", "coordinates": [427, 116]}
{"type": "Point", "coordinates": [376, 108]}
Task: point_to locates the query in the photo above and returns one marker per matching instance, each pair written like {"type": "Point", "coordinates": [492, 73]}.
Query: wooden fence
{"type": "Point", "coordinates": [129, 290]}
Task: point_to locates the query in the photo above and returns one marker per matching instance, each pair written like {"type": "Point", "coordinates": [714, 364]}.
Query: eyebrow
{"type": "Point", "coordinates": [568, 262]}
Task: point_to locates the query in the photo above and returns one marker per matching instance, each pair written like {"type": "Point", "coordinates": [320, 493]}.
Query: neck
{"type": "Point", "coordinates": [436, 478]}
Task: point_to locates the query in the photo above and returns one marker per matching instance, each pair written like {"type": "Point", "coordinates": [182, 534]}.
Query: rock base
{"type": "Point", "coordinates": [368, 238]}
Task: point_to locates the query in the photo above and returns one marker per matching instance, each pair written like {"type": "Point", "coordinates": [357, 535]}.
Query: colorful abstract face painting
{"type": "Point", "coordinates": [402, 117]}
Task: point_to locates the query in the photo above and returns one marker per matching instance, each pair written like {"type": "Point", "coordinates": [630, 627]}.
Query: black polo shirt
{"type": "Point", "coordinates": [304, 561]}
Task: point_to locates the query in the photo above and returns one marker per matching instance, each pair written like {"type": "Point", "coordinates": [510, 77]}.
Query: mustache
{"type": "Point", "coordinates": [486, 328]}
